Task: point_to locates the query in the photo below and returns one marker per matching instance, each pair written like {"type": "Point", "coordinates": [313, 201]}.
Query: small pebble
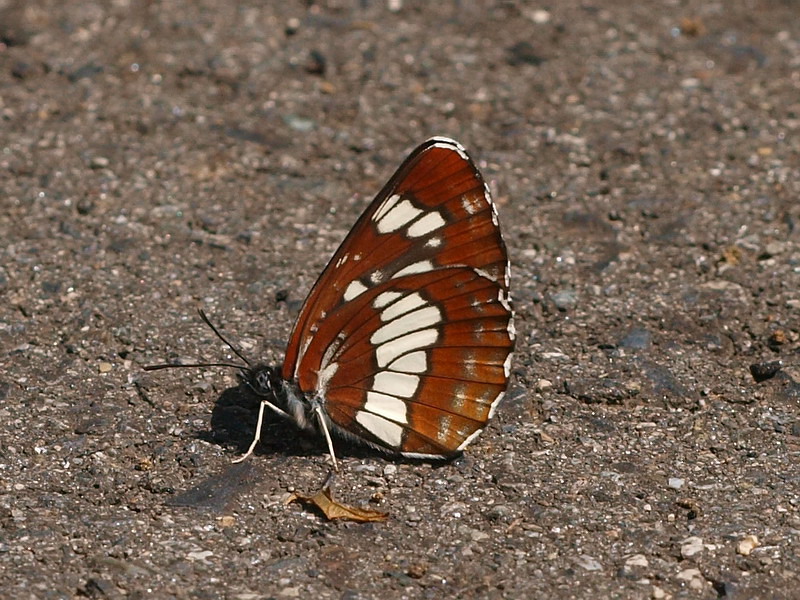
{"type": "Point", "coordinates": [200, 387]}
{"type": "Point", "coordinates": [540, 17]}
{"type": "Point", "coordinates": [689, 574]}
{"type": "Point", "coordinates": [99, 162]}
{"type": "Point", "coordinates": [637, 560]}
{"type": "Point", "coordinates": [691, 546]}
{"type": "Point", "coordinates": [588, 563]}
{"type": "Point", "coordinates": [478, 536]}
{"type": "Point", "coordinates": [675, 483]}
{"type": "Point", "coordinates": [300, 124]}
{"type": "Point", "coordinates": [765, 370]}
{"type": "Point", "coordinates": [565, 300]}
{"type": "Point", "coordinates": [292, 25]}
{"type": "Point", "coordinates": [747, 544]}
{"type": "Point", "coordinates": [499, 512]}
{"type": "Point", "coordinates": [637, 339]}
{"type": "Point", "coordinates": [226, 520]}
{"type": "Point", "coordinates": [105, 367]}
{"type": "Point", "coordinates": [774, 248]}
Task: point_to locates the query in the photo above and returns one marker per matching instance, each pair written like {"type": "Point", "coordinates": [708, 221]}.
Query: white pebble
{"type": "Point", "coordinates": [691, 546]}
{"type": "Point", "coordinates": [675, 483]}
{"type": "Point", "coordinates": [637, 560]}
{"type": "Point", "coordinates": [747, 544]}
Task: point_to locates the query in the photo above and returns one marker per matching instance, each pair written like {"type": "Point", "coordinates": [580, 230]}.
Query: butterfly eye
{"type": "Point", "coordinates": [259, 380]}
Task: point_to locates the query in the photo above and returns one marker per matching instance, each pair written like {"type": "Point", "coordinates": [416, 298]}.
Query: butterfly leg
{"type": "Point", "coordinates": [257, 437]}
{"type": "Point", "coordinates": [322, 425]}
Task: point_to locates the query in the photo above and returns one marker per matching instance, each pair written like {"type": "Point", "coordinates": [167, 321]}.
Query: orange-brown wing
{"type": "Point", "coordinates": [430, 243]}
{"type": "Point", "coordinates": [421, 361]}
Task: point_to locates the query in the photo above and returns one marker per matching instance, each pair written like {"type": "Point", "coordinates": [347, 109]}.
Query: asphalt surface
{"type": "Point", "coordinates": [160, 157]}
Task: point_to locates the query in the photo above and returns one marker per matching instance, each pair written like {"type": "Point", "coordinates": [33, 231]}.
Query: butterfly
{"type": "Point", "coordinates": [405, 341]}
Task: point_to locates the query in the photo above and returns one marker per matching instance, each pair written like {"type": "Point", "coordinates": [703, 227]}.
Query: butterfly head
{"type": "Point", "coordinates": [264, 380]}
{"type": "Point", "coordinates": [281, 396]}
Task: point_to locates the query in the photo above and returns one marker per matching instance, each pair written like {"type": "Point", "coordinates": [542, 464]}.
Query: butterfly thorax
{"type": "Point", "coordinates": [266, 382]}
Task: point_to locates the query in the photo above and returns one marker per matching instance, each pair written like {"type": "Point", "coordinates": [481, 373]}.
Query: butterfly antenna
{"type": "Point", "coordinates": [222, 337]}
{"type": "Point", "coordinates": [177, 366]}
{"type": "Point", "coordinates": [207, 321]}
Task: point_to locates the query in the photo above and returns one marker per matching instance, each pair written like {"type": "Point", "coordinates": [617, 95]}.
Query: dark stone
{"type": "Point", "coordinates": [523, 53]}
{"type": "Point", "coordinates": [765, 370]}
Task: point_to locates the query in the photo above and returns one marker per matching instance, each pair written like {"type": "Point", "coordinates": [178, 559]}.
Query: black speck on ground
{"type": "Point", "coordinates": [159, 157]}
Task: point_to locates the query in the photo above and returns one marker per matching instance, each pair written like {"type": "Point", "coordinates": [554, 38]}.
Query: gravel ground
{"type": "Point", "coordinates": [160, 157]}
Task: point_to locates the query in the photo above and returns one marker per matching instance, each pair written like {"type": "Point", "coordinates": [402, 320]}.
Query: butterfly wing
{"type": "Point", "coordinates": [406, 336]}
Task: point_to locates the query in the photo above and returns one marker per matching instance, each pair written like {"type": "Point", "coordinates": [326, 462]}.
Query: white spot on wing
{"type": "Point", "coordinates": [356, 288]}
{"type": "Point", "coordinates": [395, 384]}
{"type": "Point", "coordinates": [385, 206]}
{"type": "Point", "coordinates": [418, 319]}
{"type": "Point", "coordinates": [434, 242]}
{"type": "Point", "coordinates": [324, 376]}
{"type": "Point", "coordinates": [443, 142]}
{"type": "Point", "coordinates": [416, 362]}
{"type": "Point", "coordinates": [488, 195]}
{"type": "Point", "coordinates": [403, 306]}
{"type": "Point", "coordinates": [495, 404]}
{"type": "Point", "coordinates": [302, 353]}
{"type": "Point", "coordinates": [469, 439]}
{"type": "Point", "coordinates": [470, 204]}
{"type": "Point", "coordinates": [397, 217]}
{"type": "Point", "coordinates": [430, 222]}
{"type": "Point", "coordinates": [385, 298]}
{"type": "Point", "coordinates": [484, 274]}
{"type": "Point", "coordinates": [501, 296]}
{"type": "Point", "coordinates": [330, 351]}
{"type": "Point", "coordinates": [468, 361]}
{"type": "Point", "coordinates": [445, 424]}
{"type": "Point", "coordinates": [422, 456]}
{"type": "Point", "coordinates": [492, 204]}
{"type": "Point", "coordinates": [459, 396]}
{"type": "Point", "coordinates": [389, 433]}
{"type": "Point", "coordinates": [390, 407]}
{"type": "Point", "coordinates": [389, 351]}
{"type": "Point", "coordinates": [422, 266]}
{"type": "Point", "coordinates": [507, 366]}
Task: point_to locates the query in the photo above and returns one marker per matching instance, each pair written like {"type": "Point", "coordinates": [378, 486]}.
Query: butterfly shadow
{"type": "Point", "coordinates": [233, 423]}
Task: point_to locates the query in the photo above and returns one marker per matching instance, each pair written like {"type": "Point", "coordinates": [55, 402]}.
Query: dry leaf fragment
{"type": "Point", "coordinates": [332, 509]}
